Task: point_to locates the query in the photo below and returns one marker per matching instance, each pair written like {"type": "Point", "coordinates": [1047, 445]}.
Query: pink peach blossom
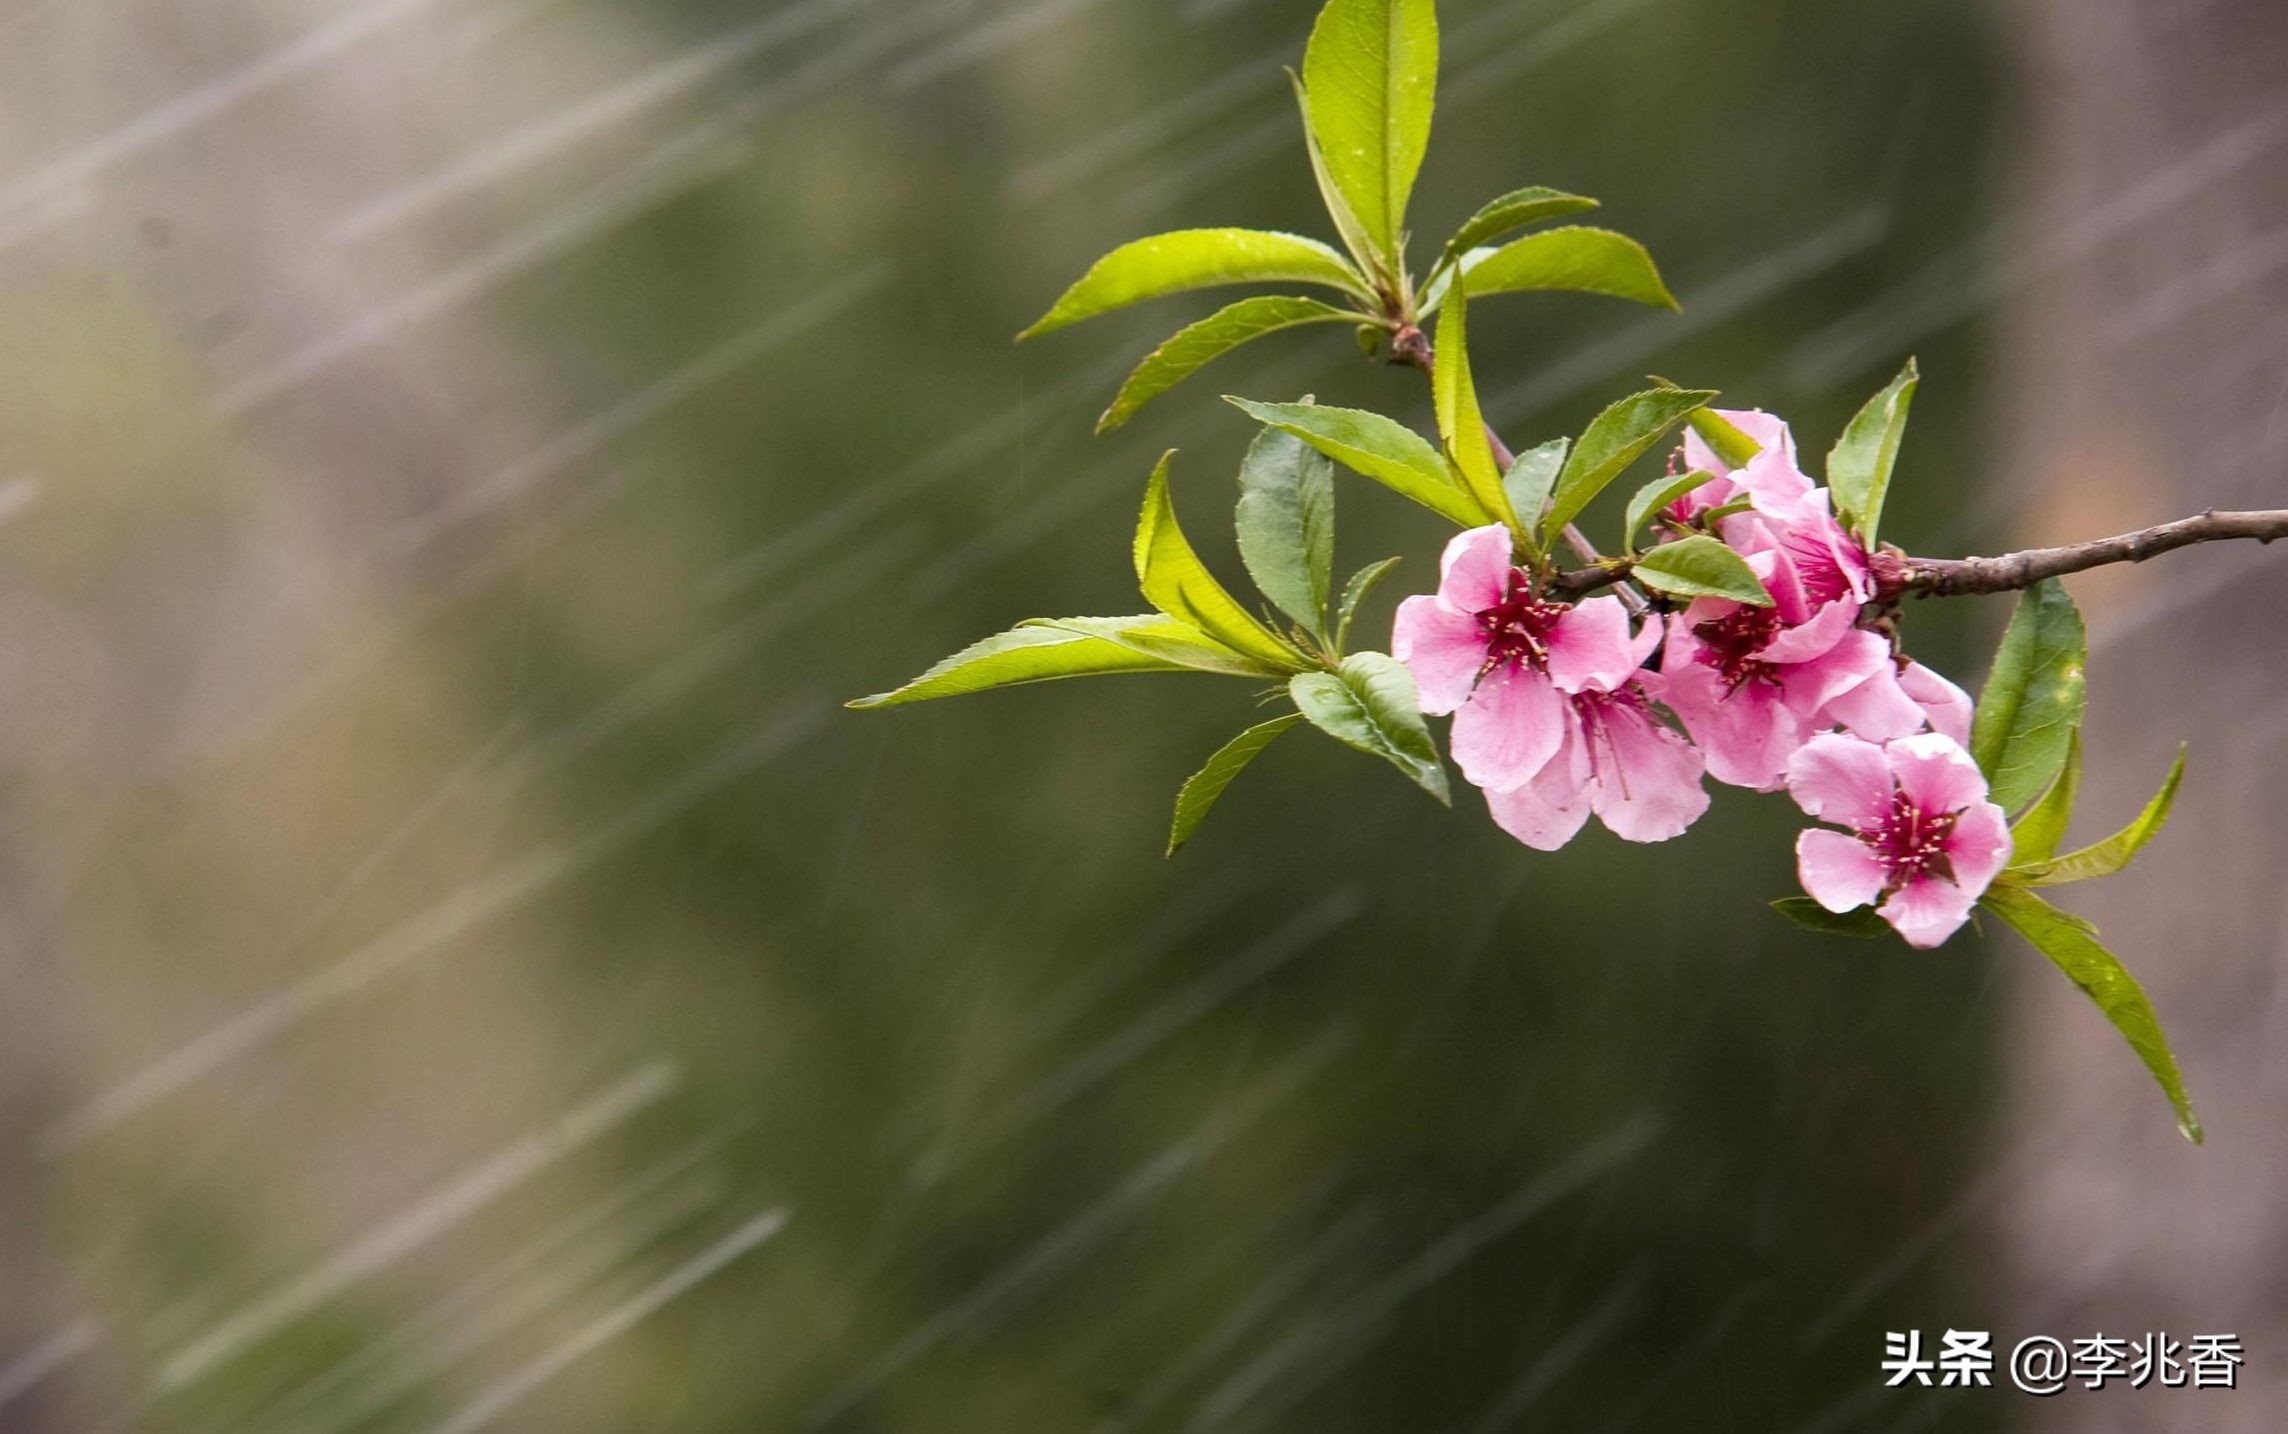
{"type": "Point", "coordinates": [1922, 837]}
{"type": "Point", "coordinates": [1502, 658]}
{"type": "Point", "coordinates": [1618, 760]}
{"type": "Point", "coordinates": [1751, 687]}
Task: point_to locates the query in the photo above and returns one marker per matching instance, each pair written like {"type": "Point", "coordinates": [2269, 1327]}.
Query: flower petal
{"type": "Point", "coordinates": [1647, 785]}
{"type": "Point", "coordinates": [1877, 709]}
{"type": "Point", "coordinates": [1442, 648]}
{"type": "Point", "coordinates": [1474, 572]}
{"type": "Point", "coordinates": [1935, 773]}
{"type": "Point", "coordinates": [1856, 659]}
{"type": "Point", "coordinates": [1978, 847]}
{"type": "Point", "coordinates": [1927, 910]}
{"type": "Point", "coordinates": [1837, 869]}
{"type": "Point", "coordinates": [1816, 636]}
{"type": "Point", "coordinates": [1511, 726]}
{"type": "Point", "coordinates": [1591, 648]}
{"type": "Point", "coordinates": [1746, 733]}
{"type": "Point", "coordinates": [1548, 811]}
{"type": "Point", "coordinates": [1946, 706]}
{"type": "Point", "coordinates": [1841, 780]}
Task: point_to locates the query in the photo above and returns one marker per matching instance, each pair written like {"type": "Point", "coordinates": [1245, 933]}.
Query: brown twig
{"type": "Point", "coordinates": [1955, 577]}
{"type": "Point", "coordinates": [1899, 576]}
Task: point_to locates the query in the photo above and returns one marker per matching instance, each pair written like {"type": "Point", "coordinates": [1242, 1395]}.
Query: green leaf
{"type": "Point", "coordinates": [1370, 78]}
{"type": "Point", "coordinates": [1579, 259]}
{"type": "Point", "coordinates": [1460, 421]}
{"type": "Point", "coordinates": [1653, 497]}
{"type": "Point", "coordinates": [1370, 704]}
{"type": "Point", "coordinates": [1197, 259]}
{"type": "Point", "coordinates": [1193, 347]}
{"type": "Point", "coordinates": [1732, 445]}
{"type": "Point", "coordinates": [1286, 525]}
{"type": "Point", "coordinates": [1023, 654]}
{"type": "Point", "coordinates": [2033, 700]}
{"type": "Point", "coordinates": [1381, 448]}
{"type": "Point", "coordinates": [1512, 211]}
{"type": "Point", "coordinates": [1701, 566]}
{"type": "Point", "coordinates": [1809, 914]}
{"type": "Point", "coordinates": [2035, 837]}
{"type": "Point", "coordinates": [2115, 852]}
{"type": "Point", "coordinates": [1619, 436]}
{"type": "Point", "coordinates": [1355, 592]}
{"type": "Point", "coordinates": [1170, 640]}
{"type": "Point", "coordinates": [1530, 479]}
{"type": "Point", "coordinates": [2072, 943]}
{"type": "Point", "coordinates": [1355, 238]}
{"type": "Point", "coordinates": [1200, 793]}
{"type": "Point", "coordinates": [1177, 583]}
{"type": "Point", "coordinates": [1859, 466]}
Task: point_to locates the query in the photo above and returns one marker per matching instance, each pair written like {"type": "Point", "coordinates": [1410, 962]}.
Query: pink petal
{"type": "Point", "coordinates": [1548, 811]}
{"type": "Point", "coordinates": [1978, 847]}
{"type": "Point", "coordinates": [1878, 709]}
{"type": "Point", "coordinates": [1837, 869]}
{"type": "Point", "coordinates": [1648, 779]}
{"type": "Point", "coordinates": [1814, 637]}
{"type": "Point", "coordinates": [1591, 648]}
{"type": "Point", "coordinates": [1927, 910]}
{"type": "Point", "coordinates": [1511, 726]}
{"type": "Point", "coordinates": [1746, 734]}
{"type": "Point", "coordinates": [1442, 648]}
{"type": "Point", "coordinates": [1841, 780]}
{"type": "Point", "coordinates": [1946, 705]}
{"type": "Point", "coordinates": [1857, 658]}
{"type": "Point", "coordinates": [1935, 773]}
{"type": "Point", "coordinates": [1773, 483]}
{"type": "Point", "coordinates": [1474, 573]}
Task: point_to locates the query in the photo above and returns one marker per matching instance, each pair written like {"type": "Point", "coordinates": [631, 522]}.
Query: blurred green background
{"type": "Point", "coordinates": [466, 969]}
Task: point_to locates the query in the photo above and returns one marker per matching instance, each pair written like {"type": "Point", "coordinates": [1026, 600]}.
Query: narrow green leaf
{"type": "Point", "coordinates": [1196, 345]}
{"type": "Point", "coordinates": [1354, 236]}
{"type": "Point", "coordinates": [2035, 837]}
{"type": "Point", "coordinates": [1355, 592]}
{"type": "Point", "coordinates": [1460, 421]}
{"type": "Point", "coordinates": [1701, 566]}
{"type": "Point", "coordinates": [1513, 211]}
{"type": "Point", "coordinates": [1530, 480]}
{"type": "Point", "coordinates": [1208, 784]}
{"type": "Point", "coordinates": [2033, 700]}
{"type": "Point", "coordinates": [2072, 943]}
{"type": "Point", "coordinates": [1370, 77]}
{"type": "Point", "coordinates": [1197, 259]}
{"type": "Point", "coordinates": [1578, 259]}
{"type": "Point", "coordinates": [1721, 434]}
{"type": "Point", "coordinates": [1371, 705]}
{"type": "Point", "coordinates": [1653, 497]}
{"type": "Point", "coordinates": [2115, 852]}
{"type": "Point", "coordinates": [1177, 583]}
{"type": "Point", "coordinates": [1809, 914]}
{"type": "Point", "coordinates": [1023, 654]}
{"type": "Point", "coordinates": [1619, 436]}
{"type": "Point", "coordinates": [1286, 525]}
{"type": "Point", "coordinates": [1859, 466]}
{"type": "Point", "coordinates": [1169, 640]}
{"type": "Point", "coordinates": [1381, 448]}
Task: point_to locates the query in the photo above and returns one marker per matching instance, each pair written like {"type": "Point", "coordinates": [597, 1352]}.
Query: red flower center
{"type": "Point", "coordinates": [1733, 643]}
{"type": "Point", "coordinates": [1517, 628]}
{"type": "Point", "coordinates": [1910, 843]}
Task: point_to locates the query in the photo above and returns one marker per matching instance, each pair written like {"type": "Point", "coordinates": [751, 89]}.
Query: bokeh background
{"type": "Point", "coordinates": [461, 969]}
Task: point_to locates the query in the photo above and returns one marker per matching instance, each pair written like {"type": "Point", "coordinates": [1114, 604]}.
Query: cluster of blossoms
{"type": "Point", "coordinates": [1564, 709]}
